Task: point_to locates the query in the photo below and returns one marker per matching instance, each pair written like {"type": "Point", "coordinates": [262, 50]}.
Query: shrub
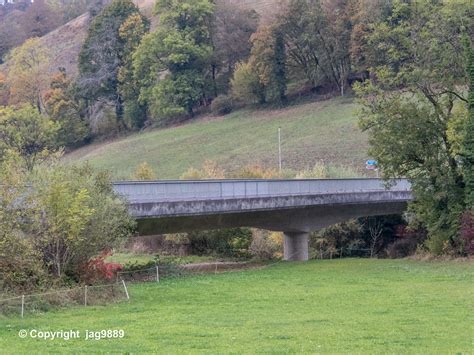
{"type": "Point", "coordinates": [69, 215]}
{"type": "Point", "coordinates": [257, 172]}
{"type": "Point", "coordinates": [407, 242]}
{"type": "Point", "coordinates": [75, 216]}
{"type": "Point", "coordinates": [246, 86]}
{"type": "Point", "coordinates": [144, 172]}
{"type": "Point", "coordinates": [266, 245]}
{"type": "Point", "coordinates": [233, 242]}
{"type": "Point", "coordinates": [97, 270]}
{"type": "Point", "coordinates": [467, 232]}
{"type": "Point", "coordinates": [222, 105]}
{"type": "Point", "coordinates": [402, 248]}
{"type": "Point", "coordinates": [209, 170]}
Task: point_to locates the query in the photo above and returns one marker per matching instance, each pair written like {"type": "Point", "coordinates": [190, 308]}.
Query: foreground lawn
{"type": "Point", "coordinates": [351, 305]}
{"type": "Point", "coordinates": [311, 132]}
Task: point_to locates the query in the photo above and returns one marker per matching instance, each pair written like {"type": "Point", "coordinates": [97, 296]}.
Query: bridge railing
{"type": "Point", "coordinates": [223, 189]}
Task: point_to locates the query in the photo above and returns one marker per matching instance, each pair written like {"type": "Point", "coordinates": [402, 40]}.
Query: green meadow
{"type": "Point", "coordinates": [326, 131]}
{"type": "Point", "coordinates": [329, 306]}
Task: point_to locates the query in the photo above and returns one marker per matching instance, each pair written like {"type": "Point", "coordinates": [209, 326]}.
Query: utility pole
{"type": "Point", "coordinates": [279, 149]}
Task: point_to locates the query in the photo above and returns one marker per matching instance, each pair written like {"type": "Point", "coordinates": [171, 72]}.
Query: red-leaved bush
{"type": "Point", "coordinates": [467, 232]}
{"type": "Point", "coordinates": [96, 269]}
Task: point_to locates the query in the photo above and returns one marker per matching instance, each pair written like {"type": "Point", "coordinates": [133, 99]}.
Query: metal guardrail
{"type": "Point", "coordinates": [172, 190]}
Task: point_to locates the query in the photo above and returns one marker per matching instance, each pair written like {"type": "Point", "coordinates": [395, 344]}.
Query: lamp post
{"type": "Point", "coordinates": [279, 149]}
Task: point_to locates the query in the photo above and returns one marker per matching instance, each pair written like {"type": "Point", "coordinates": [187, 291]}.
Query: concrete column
{"type": "Point", "coordinates": [295, 246]}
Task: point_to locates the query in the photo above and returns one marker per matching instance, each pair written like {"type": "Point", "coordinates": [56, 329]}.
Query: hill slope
{"type": "Point", "coordinates": [311, 132]}
{"type": "Point", "coordinates": [64, 43]}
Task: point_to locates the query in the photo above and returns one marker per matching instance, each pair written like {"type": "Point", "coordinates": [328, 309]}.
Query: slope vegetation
{"type": "Point", "coordinates": [64, 43]}
{"type": "Point", "coordinates": [312, 132]}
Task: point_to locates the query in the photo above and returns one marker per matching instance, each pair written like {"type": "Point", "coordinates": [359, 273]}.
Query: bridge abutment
{"type": "Point", "coordinates": [295, 246]}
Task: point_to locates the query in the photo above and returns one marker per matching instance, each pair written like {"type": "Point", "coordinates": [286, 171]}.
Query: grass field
{"type": "Point", "coordinates": [142, 258]}
{"type": "Point", "coordinates": [344, 305]}
{"type": "Point", "coordinates": [311, 132]}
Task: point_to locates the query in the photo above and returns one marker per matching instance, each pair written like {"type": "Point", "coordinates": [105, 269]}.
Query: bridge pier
{"type": "Point", "coordinates": [295, 246]}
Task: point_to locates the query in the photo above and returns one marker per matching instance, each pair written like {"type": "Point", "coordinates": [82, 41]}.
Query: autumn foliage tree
{"type": "Point", "coordinates": [62, 108]}
{"type": "Point", "coordinates": [40, 18]}
{"type": "Point", "coordinates": [232, 28]}
{"type": "Point", "coordinates": [70, 216]}
{"type": "Point", "coordinates": [264, 75]}
{"type": "Point", "coordinates": [27, 75]}
{"type": "Point", "coordinates": [102, 55]}
{"type": "Point", "coordinates": [28, 133]}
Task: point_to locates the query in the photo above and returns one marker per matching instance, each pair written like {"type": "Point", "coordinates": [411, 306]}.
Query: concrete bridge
{"type": "Point", "coordinates": [294, 207]}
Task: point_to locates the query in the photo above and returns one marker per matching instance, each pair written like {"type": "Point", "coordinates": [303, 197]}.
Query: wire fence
{"type": "Point", "coordinates": [115, 291]}
{"type": "Point", "coordinates": [38, 303]}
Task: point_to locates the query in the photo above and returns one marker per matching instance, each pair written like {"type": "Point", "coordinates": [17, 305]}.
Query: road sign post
{"type": "Point", "coordinates": [372, 165]}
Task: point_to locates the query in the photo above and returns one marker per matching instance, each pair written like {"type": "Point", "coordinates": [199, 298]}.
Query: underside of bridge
{"type": "Point", "coordinates": [296, 223]}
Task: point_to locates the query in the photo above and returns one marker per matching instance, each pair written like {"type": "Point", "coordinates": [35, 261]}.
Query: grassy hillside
{"type": "Point", "coordinates": [311, 132]}
{"type": "Point", "coordinates": [330, 306]}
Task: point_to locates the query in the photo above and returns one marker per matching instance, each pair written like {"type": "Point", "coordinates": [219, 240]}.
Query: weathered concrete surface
{"type": "Point", "coordinates": [295, 246]}
{"type": "Point", "coordinates": [295, 207]}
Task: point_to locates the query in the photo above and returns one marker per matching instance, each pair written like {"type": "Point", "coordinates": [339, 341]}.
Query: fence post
{"type": "Point", "coordinates": [125, 287]}
{"type": "Point", "coordinates": [85, 295]}
{"type": "Point", "coordinates": [22, 305]}
{"type": "Point", "coordinates": [157, 274]}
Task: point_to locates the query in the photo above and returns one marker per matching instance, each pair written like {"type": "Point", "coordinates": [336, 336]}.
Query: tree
{"type": "Point", "coordinates": [245, 85]}
{"type": "Point", "coordinates": [19, 262]}
{"type": "Point", "coordinates": [39, 19]}
{"type": "Point", "coordinates": [375, 231]}
{"type": "Point", "coordinates": [336, 41]}
{"type": "Point", "coordinates": [11, 32]}
{"type": "Point", "coordinates": [27, 132]}
{"type": "Point", "coordinates": [171, 63]}
{"type": "Point", "coordinates": [75, 216]}
{"type": "Point", "coordinates": [62, 108]}
{"type": "Point", "coordinates": [27, 75]}
{"type": "Point", "coordinates": [317, 37]}
{"type": "Point", "coordinates": [298, 21]}
{"type": "Point", "coordinates": [468, 143]}
{"type": "Point", "coordinates": [279, 67]}
{"type": "Point", "coordinates": [365, 15]}
{"type": "Point", "coordinates": [4, 92]}
{"type": "Point", "coordinates": [131, 33]}
{"type": "Point", "coordinates": [410, 107]}
{"type": "Point", "coordinates": [230, 35]}
{"type": "Point", "coordinates": [265, 73]}
{"type": "Point", "coordinates": [70, 9]}
{"type": "Point", "coordinates": [102, 54]}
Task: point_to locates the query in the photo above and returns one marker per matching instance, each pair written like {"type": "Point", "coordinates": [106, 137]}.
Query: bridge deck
{"type": "Point", "coordinates": [172, 190]}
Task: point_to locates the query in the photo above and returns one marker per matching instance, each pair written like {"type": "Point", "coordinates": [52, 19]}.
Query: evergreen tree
{"type": "Point", "coordinates": [279, 66]}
